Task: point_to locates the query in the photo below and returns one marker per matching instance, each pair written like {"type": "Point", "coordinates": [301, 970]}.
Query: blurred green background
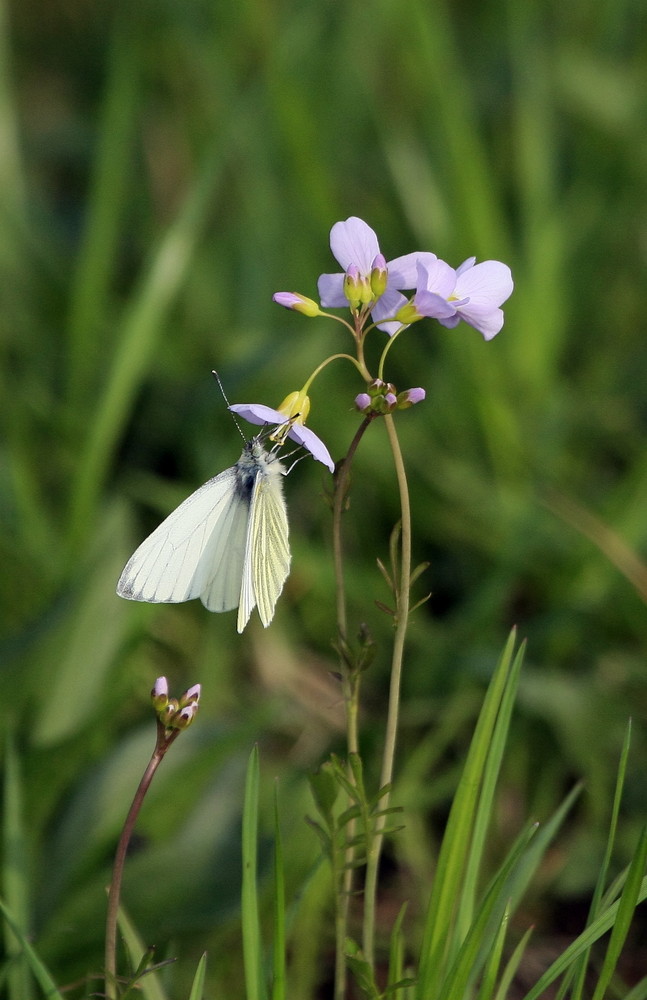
{"type": "Point", "coordinates": [164, 168]}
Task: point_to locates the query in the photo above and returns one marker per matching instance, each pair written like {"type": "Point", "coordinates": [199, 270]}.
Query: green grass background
{"type": "Point", "coordinates": [164, 167]}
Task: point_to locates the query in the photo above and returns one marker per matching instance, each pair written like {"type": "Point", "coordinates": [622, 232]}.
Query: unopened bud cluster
{"type": "Point", "coordinates": [175, 713]}
{"type": "Point", "coordinates": [382, 397]}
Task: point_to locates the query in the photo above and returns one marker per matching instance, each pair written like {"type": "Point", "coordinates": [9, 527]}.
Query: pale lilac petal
{"type": "Point", "coordinates": [416, 395]}
{"type": "Point", "coordinates": [403, 271]}
{"type": "Point", "coordinates": [487, 321]}
{"type": "Point", "coordinates": [437, 277]}
{"type": "Point", "coordinates": [433, 306]}
{"type": "Point", "coordinates": [362, 401]}
{"type": "Point", "coordinates": [487, 282]}
{"type": "Point", "coordinates": [387, 306]}
{"type": "Point", "coordinates": [331, 291]}
{"type": "Point", "coordinates": [287, 299]}
{"type": "Point", "coordinates": [354, 242]}
{"type": "Point", "coordinates": [470, 262]}
{"type": "Point", "coordinates": [258, 413]}
{"type": "Point", "coordinates": [309, 440]}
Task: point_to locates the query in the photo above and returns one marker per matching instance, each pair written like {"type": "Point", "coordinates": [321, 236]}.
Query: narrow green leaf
{"type": "Point", "coordinates": [486, 925]}
{"type": "Point", "coordinates": [197, 987]}
{"type": "Point", "coordinates": [596, 901]}
{"type": "Point", "coordinates": [511, 967]}
{"type": "Point", "coordinates": [15, 883]}
{"type": "Point", "coordinates": [439, 921]}
{"type": "Point", "coordinates": [41, 974]}
{"type": "Point", "coordinates": [396, 948]}
{"type": "Point", "coordinates": [252, 950]}
{"type": "Point", "coordinates": [149, 985]}
{"type": "Point", "coordinates": [626, 907]}
{"type": "Point", "coordinates": [592, 933]}
{"type": "Point", "coordinates": [491, 970]}
{"type": "Point", "coordinates": [483, 815]}
{"type": "Point", "coordinates": [279, 948]}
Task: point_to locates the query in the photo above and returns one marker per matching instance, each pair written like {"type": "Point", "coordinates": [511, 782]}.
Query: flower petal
{"type": "Point", "coordinates": [490, 281]}
{"type": "Point", "coordinates": [258, 413]}
{"type": "Point", "coordinates": [331, 291]}
{"type": "Point", "coordinates": [309, 440]}
{"type": "Point", "coordinates": [403, 271]}
{"type": "Point", "coordinates": [354, 242]}
{"type": "Point", "coordinates": [387, 306]}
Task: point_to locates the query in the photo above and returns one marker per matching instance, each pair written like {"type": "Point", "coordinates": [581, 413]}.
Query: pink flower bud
{"type": "Point", "coordinates": [300, 303]}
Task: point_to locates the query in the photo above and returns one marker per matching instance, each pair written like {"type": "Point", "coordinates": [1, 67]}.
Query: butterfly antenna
{"type": "Point", "coordinates": [224, 396]}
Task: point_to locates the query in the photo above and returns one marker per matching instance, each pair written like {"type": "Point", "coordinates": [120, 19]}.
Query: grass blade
{"type": "Point", "coordinates": [626, 907]}
{"type": "Point", "coordinates": [197, 987]}
{"type": "Point", "coordinates": [278, 982]}
{"type": "Point", "coordinates": [456, 841]}
{"type": "Point", "coordinates": [252, 949]}
{"type": "Point", "coordinates": [41, 974]}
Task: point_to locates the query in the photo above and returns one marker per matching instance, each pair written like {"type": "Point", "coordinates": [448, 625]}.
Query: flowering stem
{"type": "Point", "coordinates": [390, 736]}
{"type": "Point", "coordinates": [387, 347]}
{"type": "Point", "coordinates": [361, 368]}
{"type": "Point", "coordinates": [350, 687]}
{"type": "Point", "coordinates": [164, 740]}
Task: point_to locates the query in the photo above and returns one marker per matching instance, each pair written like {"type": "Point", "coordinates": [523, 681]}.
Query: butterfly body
{"type": "Point", "coordinates": [227, 543]}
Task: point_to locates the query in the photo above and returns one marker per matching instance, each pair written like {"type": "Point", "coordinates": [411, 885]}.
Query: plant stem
{"type": "Point", "coordinates": [350, 688]}
{"type": "Point", "coordinates": [163, 742]}
{"type": "Point", "coordinates": [390, 736]}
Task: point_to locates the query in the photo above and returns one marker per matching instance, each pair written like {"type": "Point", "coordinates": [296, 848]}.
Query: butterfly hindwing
{"type": "Point", "coordinates": [267, 553]}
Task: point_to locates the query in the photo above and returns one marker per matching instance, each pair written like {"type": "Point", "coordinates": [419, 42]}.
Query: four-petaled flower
{"type": "Point", "coordinates": [355, 246]}
{"type": "Point", "coordinates": [473, 293]}
{"type": "Point", "coordinates": [259, 413]}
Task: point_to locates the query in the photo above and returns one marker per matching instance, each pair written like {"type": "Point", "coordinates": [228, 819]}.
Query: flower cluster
{"type": "Point", "coordinates": [373, 289]}
{"type": "Point", "coordinates": [175, 713]}
{"type": "Point", "coordinates": [472, 292]}
{"type": "Point", "coordinates": [383, 397]}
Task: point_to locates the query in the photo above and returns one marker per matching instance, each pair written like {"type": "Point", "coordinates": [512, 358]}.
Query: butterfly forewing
{"type": "Point", "coordinates": [226, 544]}
{"type": "Point", "coordinates": [220, 571]}
{"type": "Point", "coordinates": [164, 567]}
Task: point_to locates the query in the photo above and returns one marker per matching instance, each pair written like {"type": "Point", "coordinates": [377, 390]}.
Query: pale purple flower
{"type": "Point", "coordinates": [478, 293]}
{"type": "Point", "coordinates": [363, 402]}
{"type": "Point", "coordinates": [258, 413]}
{"type": "Point", "coordinates": [354, 243]}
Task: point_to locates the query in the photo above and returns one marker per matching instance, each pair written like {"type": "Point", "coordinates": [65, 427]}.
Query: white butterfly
{"type": "Point", "coordinates": [226, 544]}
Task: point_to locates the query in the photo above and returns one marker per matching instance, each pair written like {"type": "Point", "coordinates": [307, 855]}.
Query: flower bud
{"type": "Point", "coordinates": [410, 397]}
{"type": "Point", "coordinates": [379, 276]}
{"type": "Point", "coordinates": [353, 286]}
{"type": "Point", "coordinates": [159, 694]}
{"type": "Point", "coordinates": [191, 696]}
{"type": "Point", "coordinates": [407, 314]}
{"type": "Point", "coordinates": [363, 402]}
{"type": "Point", "coordinates": [299, 303]}
{"type": "Point", "coordinates": [168, 713]}
{"type": "Point", "coordinates": [296, 407]}
{"type": "Point", "coordinates": [185, 716]}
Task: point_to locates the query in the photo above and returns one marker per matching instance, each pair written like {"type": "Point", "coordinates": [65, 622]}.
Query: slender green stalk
{"type": "Point", "coordinates": [390, 737]}
{"type": "Point", "coordinates": [350, 687]}
{"type": "Point", "coordinates": [164, 740]}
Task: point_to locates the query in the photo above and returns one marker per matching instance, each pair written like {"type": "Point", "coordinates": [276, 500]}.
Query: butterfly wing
{"type": "Point", "coordinates": [203, 539]}
{"type": "Point", "coordinates": [267, 553]}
